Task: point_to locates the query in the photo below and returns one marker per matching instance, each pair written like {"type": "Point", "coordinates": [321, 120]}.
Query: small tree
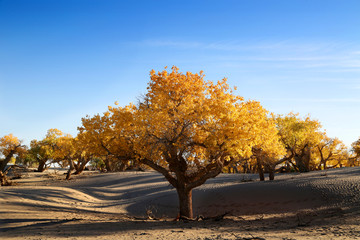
{"type": "Point", "coordinates": [104, 139]}
{"type": "Point", "coordinates": [85, 150]}
{"type": "Point", "coordinates": [68, 152]}
{"type": "Point", "coordinates": [44, 150]}
{"type": "Point", "coordinates": [39, 153]}
{"type": "Point", "coordinates": [9, 147]}
{"type": "Point", "coordinates": [269, 150]}
{"type": "Point", "coordinates": [332, 153]}
{"type": "Point", "coordinates": [299, 137]}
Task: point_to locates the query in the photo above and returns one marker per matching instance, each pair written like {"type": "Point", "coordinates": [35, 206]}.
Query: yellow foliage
{"type": "Point", "coordinates": [202, 119]}
{"type": "Point", "coordinates": [9, 144]}
{"type": "Point", "coordinates": [355, 148]}
{"type": "Point", "coordinates": [297, 132]}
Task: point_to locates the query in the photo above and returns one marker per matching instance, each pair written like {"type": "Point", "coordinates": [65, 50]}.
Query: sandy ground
{"type": "Point", "coordinates": [315, 205]}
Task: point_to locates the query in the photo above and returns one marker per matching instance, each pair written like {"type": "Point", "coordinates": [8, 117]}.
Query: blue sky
{"type": "Point", "coordinates": [63, 60]}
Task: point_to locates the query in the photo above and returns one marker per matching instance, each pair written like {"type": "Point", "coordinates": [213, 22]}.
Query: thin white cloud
{"type": "Point", "coordinates": [285, 45]}
{"type": "Point", "coordinates": [287, 57]}
{"type": "Point", "coordinates": [324, 53]}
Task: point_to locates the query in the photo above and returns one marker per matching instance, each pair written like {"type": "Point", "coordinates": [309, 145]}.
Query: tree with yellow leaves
{"type": "Point", "coordinates": [106, 137]}
{"type": "Point", "coordinates": [73, 152]}
{"type": "Point", "coordinates": [188, 129]}
{"type": "Point", "coordinates": [85, 150]}
{"type": "Point", "coordinates": [66, 152]}
{"type": "Point", "coordinates": [355, 149]}
{"type": "Point", "coordinates": [332, 153]}
{"type": "Point", "coordinates": [270, 149]}
{"type": "Point", "coordinates": [299, 136]}
{"type": "Point", "coordinates": [44, 150]}
{"type": "Point", "coordinates": [9, 147]}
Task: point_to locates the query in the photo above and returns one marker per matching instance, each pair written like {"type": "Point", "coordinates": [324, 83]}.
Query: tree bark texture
{"type": "Point", "coordinates": [185, 202]}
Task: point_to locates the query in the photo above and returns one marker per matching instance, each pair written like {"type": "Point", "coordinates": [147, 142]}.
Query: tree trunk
{"type": "Point", "coordinates": [123, 166]}
{"type": "Point", "coordinates": [185, 202]}
{"type": "Point", "coordinates": [258, 154]}
{"type": "Point", "coordinates": [108, 165]}
{"type": "Point", "coordinates": [42, 166]}
{"type": "Point", "coordinates": [71, 168]}
{"type": "Point", "coordinates": [260, 168]}
{"type": "Point", "coordinates": [245, 168]}
{"type": "Point", "coordinates": [271, 173]}
{"type": "Point", "coordinates": [302, 160]}
{"type": "Point", "coordinates": [325, 165]}
{"type": "Point", "coordinates": [77, 166]}
{"type": "Point", "coordinates": [307, 158]}
{"type": "Point", "coordinates": [80, 168]}
{"type": "Point", "coordinates": [4, 162]}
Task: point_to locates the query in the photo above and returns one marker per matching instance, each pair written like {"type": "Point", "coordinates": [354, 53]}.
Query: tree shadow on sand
{"type": "Point", "coordinates": [78, 227]}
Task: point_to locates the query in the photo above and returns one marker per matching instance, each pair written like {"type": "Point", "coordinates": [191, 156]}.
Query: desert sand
{"type": "Point", "coordinates": [142, 205]}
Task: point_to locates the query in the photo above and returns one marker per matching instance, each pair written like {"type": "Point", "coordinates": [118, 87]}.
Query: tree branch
{"type": "Point", "coordinates": [210, 171]}
{"type": "Point", "coordinates": [162, 170]}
